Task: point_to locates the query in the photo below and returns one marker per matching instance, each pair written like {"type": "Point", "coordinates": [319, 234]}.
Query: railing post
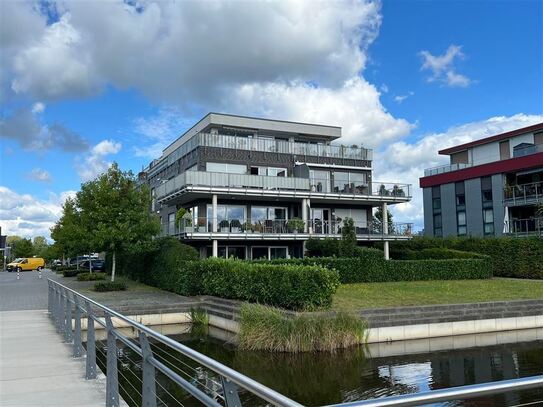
{"type": "Point", "coordinates": [148, 390]}
{"type": "Point", "coordinates": [77, 329]}
{"type": "Point", "coordinates": [112, 380]}
{"type": "Point", "coordinates": [49, 298]}
{"type": "Point", "coordinates": [230, 392]}
{"type": "Point", "coordinates": [61, 313]}
{"type": "Point", "coordinates": [90, 362]}
{"type": "Point", "coordinates": [68, 322]}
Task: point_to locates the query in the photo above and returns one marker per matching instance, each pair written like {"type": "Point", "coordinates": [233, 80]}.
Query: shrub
{"type": "Point", "coordinates": [510, 257]}
{"type": "Point", "coordinates": [282, 285]}
{"type": "Point", "coordinates": [70, 272]}
{"type": "Point", "coordinates": [271, 329]}
{"type": "Point", "coordinates": [91, 276]}
{"type": "Point", "coordinates": [103, 286]}
{"type": "Point", "coordinates": [437, 253]}
{"type": "Point", "coordinates": [327, 247]}
{"type": "Point", "coordinates": [167, 260]}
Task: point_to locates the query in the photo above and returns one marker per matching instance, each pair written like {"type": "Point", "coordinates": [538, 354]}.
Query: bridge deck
{"type": "Point", "coordinates": [36, 368]}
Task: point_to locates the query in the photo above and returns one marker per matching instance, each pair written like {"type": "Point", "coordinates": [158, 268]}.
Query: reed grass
{"type": "Point", "coordinates": [268, 328]}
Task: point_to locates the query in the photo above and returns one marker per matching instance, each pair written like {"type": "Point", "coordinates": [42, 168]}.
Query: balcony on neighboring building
{"type": "Point", "coordinates": [445, 168]}
{"type": "Point", "coordinates": [275, 186]}
{"type": "Point", "coordinates": [525, 227]}
{"type": "Point", "coordinates": [293, 229]}
{"type": "Point", "coordinates": [524, 194]}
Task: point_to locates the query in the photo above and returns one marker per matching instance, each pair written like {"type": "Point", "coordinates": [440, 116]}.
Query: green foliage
{"type": "Point", "coordinates": [436, 253]}
{"type": "Point", "coordinates": [271, 329]}
{"type": "Point", "coordinates": [296, 225]}
{"type": "Point", "coordinates": [69, 233]}
{"type": "Point", "coordinates": [22, 248]}
{"type": "Point", "coordinates": [199, 316]}
{"type": "Point", "coordinates": [348, 244]}
{"type": "Point", "coordinates": [378, 220]}
{"type": "Point", "coordinates": [72, 272]}
{"type": "Point", "coordinates": [287, 286]}
{"type": "Point", "coordinates": [327, 247]}
{"type": "Point", "coordinates": [103, 286]}
{"type": "Point", "coordinates": [91, 276]}
{"type": "Point", "coordinates": [510, 257]}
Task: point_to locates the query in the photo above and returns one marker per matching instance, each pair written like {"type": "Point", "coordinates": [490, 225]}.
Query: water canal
{"type": "Point", "coordinates": [353, 374]}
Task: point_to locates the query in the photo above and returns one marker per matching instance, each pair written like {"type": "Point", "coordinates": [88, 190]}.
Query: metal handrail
{"type": "Point", "coordinates": [60, 308]}
{"type": "Point", "coordinates": [453, 393]}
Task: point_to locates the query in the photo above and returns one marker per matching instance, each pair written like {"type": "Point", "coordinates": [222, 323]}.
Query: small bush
{"type": "Point", "coordinates": [271, 329]}
{"type": "Point", "coordinates": [283, 285]}
{"type": "Point", "coordinates": [91, 276]}
{"type": "Point", "coordinates": [70, 272]}
{"type": "Point", "coordinates": [103, 286]}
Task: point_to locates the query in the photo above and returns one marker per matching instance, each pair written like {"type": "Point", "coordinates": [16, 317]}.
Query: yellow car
{"type": "Point", "coordinates": [25, 264]}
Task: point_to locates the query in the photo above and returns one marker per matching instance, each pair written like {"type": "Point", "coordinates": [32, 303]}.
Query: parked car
{"type": "Point", "coordinates": [26, 263]}
{"type": "Point", "coordinates": [56, 263]}
{"type": "Point", "coordinates": [97, 265]}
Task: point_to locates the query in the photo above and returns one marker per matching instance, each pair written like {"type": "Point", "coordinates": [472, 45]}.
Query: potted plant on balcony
{"type": "Point", "coordinates": [383, 190]}
{"type": "Point", "coordinates": [296, 225]}
{"type": "Point", "coordinates": [235, 226]}
{"type": "Point", "coordinates": [247, 227]}
{"type": "Point", "coordinates": [397, 191]}
{"type": "Point", "coordinates": [224, 226]}
{"type": "Point", "coordinates": [183, 219]}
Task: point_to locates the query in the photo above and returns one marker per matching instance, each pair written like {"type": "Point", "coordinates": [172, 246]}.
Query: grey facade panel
{"type": "Point", "coordinates": [497, 202]}
{"type": "Point", "coordinates": [448, 209]}
{"type": "Point", "coordinates": [428, 215]}
{"type": "Point", "coordinates": [474, 207]}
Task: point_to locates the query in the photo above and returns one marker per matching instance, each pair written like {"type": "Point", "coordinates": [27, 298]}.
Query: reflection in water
{"type": "Point", "coordinates": [347, 375]}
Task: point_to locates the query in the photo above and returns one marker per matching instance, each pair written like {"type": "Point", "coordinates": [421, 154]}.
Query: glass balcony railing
{"type": "Point", "coordinates": [261, 182]}
{"type": "Point", "coordinates": [269, 145]}
{"type": "Point", "coordinates": [524, 193]}
{"type": "Point", "coordinates": [279, 226]}
{"type": "Point", "coordinates": [525, 227]}
{"type": "Point", "coordinates": [445, 168]}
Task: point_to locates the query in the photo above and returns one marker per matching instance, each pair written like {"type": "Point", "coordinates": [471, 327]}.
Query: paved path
{"type": "Point", "coordinates": [36, 368]}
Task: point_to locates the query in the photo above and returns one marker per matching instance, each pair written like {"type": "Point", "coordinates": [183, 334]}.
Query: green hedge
{"type": "Point", "coordinates": [288, 286]}
{"type": "Point", "coordinates": [434, 253]}
{"type": "Point", "coordinates": [103, 286]}
{"type": "Point", "coordinates": [91, 276]}
{"type": "Point", "coordinates": [510, 257]}
{"type": "Point", "coordinates": [70, 272]}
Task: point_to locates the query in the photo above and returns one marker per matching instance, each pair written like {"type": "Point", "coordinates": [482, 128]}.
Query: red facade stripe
{"type": "Point", "coordinates": [497, 167]}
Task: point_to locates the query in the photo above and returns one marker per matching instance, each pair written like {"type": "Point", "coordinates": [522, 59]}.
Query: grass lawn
{"type": "Point", "coordinates": [383, 295]}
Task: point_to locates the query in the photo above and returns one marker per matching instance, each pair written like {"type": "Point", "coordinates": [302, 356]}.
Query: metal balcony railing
{"type": "Point", "coordinates": [280, 226]}
{"type": "Point", "coordinates": [526, 227]}
{"type": "Point", "coordinates": [524, 193]}
{"type": "Point", "coordinates": [263, 182]}
{"type": "Point", "coordinates": [68, 309]}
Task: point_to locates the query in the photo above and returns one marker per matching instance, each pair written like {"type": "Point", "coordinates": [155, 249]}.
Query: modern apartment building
{"type": "Point", "coordinates": [256, 188]}
{"type": "Point", "coordinates": [492, 187]}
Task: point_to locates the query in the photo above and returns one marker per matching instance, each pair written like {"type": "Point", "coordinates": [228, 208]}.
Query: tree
{"type": "Point", "coordinates": [69, 233]}
{"type": "Point", "coordinates": [115, 213]}
{"type": "Point", "coordinates": [348, 239]}
{"type": "Point", "coordinates": [378, 220]}
{"type": "Point", "coordinates": [22, 248]}
{"type": "Point", "coordinates": [39, 243]}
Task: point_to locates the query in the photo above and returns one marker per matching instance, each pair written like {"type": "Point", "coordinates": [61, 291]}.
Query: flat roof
{"type": "Point", "coordinates": [491, 139]}
{"type": "Point", "coordinates": [224, 119]}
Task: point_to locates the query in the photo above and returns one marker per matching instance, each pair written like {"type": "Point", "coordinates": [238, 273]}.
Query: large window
{"type": "Point", "coordinates": [488, 221]}
{"type": "Point", "coordinates": [226, 168]}
{"type": "Point", "coordinates": [461, 224]}
{"type": "Point", "coordinates": [320, 180]}
{"type": "Point", "coordinates": [238, 252]}
{"type": "Point", "coordinates": [350, 182]}
{"type": "Point", "coordinates": [269, 253]}
{"type": "Point", "coordinates": [259, 213]}
{"type": "Point", "coordinates": [269, 171]}
{"type": "Point", "coordinates": [436, 211]}
{"type": "Point", "coordinates": [488, 211]}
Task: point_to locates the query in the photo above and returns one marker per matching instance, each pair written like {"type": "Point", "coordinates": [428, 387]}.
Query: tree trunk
{"type": "Point", "coordinates": [90, 262]}
{"type": "Point", "coordinates": [113, 268]}
{"type": "Point", "coordinates": [77, 262]}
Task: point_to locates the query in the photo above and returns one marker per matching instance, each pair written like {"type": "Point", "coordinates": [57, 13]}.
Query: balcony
{"type": "Point", "coordinates": [445, 168]}
{"type": "Point", "coordinates": [269, 186]}
{"type": "Point", "coordinates": [524, 194]}
{"type": "Point", "coordinates": [526, 227]}
{"type": "Point", "coordinates": [295, 229]}
{"type": "Point", "coordinates": [269, 146]}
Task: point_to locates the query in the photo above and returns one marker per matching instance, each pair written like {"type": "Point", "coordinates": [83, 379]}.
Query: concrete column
{"type": "Point", "coordinates": [304, 214]}
{"type": "Point", "coordinates": [386, 247]}
{"type": "Point", "coordinates": [214, 214]}
{"type": "Point", "coordinates": [215, 252]}
{"type": "Point", "coordinates": [308, 210]}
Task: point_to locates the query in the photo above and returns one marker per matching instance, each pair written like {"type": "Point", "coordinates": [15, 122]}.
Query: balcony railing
{"type": "Point", "coordinates": [527, 150]}
{"type": "Point", "coordinates": [445, 168]}
{"type": "Point", "coordinates": [526, 227]}
{"type": "Point", "coordinates": [279, 226]}
{"type": "Point", "coordinates": [524, 193]}
{"type": "Point", "coordinates": [262, 182]}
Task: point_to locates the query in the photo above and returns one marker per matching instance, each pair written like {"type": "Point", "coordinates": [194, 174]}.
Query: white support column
{"type": "Point", "coordinates": [304, 214]}
{"type": "Point", "coordinates": [214, 213]}
{"type": "Point", "coordinates": [215, 252]}
{"type": "Point", "coordinates": [384, 222]}
{"type": "Point", "coordinates": [308, 211]}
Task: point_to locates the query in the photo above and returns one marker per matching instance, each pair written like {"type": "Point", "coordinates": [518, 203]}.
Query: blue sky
{"type": "Point", "coordinates": [406, 78]}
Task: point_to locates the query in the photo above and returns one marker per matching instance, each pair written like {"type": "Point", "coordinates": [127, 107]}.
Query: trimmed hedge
{"type": "Point", "coordinates": [435, 253]}
{"type": "Point", "coordinates": [70, 272]}
{"type": "Point", "coordinates": [510, 257]}
{"type": "Point", "coordinates": [91, 276]}
{"type": "Point", "coordinates": [103, 286]}
{"type": "Point", "coordinates": [296, 287]}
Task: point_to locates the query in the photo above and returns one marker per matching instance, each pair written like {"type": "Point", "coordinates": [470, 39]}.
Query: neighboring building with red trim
{"type": "Point", "coordinates": [491, 187]}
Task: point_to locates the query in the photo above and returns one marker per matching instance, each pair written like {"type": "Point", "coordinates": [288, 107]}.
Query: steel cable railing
{"type": "Point", "coordinates": [66, 306]}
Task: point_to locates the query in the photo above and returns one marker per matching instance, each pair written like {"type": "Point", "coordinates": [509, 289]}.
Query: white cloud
{"type": "Point", "coordinates": [94, 163]}
{"type": "Point", "coordinates": [401, 98]}
{"type": "Point", "coordinates": [39, 174]}
{"type": "Point", "coordinates": [27, 216]}
{"type": "Point", "coordinates": [405, 162]}
{"type": "Point", "coordinates": [442, 67]}
{"type": "Point", "coordinates": [38, 107]}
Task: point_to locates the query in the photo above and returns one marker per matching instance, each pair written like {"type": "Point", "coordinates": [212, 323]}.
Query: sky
{"type": "Point", "coordinates": [84, 84]}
